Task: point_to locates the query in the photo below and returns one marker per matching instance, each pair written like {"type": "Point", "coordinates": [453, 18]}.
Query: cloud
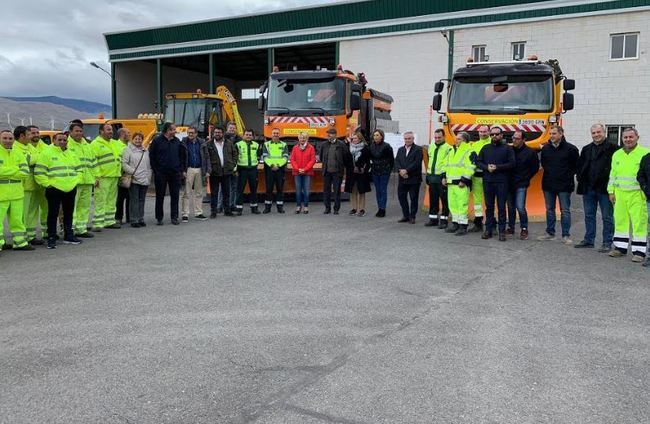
{"type": "Point", "coordinates": [51, 55]}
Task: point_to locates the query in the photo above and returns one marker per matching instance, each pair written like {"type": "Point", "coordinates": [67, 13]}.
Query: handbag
{"type": "Point", "coordinates": [125, 179]}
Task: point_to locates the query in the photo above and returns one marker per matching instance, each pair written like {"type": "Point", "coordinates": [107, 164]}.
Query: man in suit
{"type": "Point", "coordinates": [409, 165]}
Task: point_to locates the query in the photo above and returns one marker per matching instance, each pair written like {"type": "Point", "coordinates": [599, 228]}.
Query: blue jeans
{"type": "Point", "coordinates": [565, 212]}
{"type": "Point", "coordinates": [517, 205]}
{"type": "Point", "coordinates": [381, 189]}
{"type": "Point", "coordinates": [303, 186]}
{"type": "Point", "coordinates": [591, 200]}
{"type": "Point", "coordinates": [233, 195]}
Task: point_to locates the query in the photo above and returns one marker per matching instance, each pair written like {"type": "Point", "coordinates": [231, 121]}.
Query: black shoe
{"type": "Point", "coordinates": [336, 211]}
{"type": "Point", "coordinates": [135, 225]}
{"type": "Point", "coordinates": [352, 212]}
{"type": "Point", "coordinates": [381, 213]}
{"type": "Point", "coordinates": [431, 223]}
{"type": "Point", "coordinates": [254, 210]}
{"type": "Point", "coordinates": [486, 235]}
{"type": "Point", "coordinates": [502, 237]}
{"type": "Point", "coordinates": [7, 247]}
{"type": "Point", "coordinates": [412, 221]}
{"type": "Point", "coordinates": [462, 230]}
{"type": "Point", "coordinates": [26, 247]}
{"type": "Point", "coordinates": [442, 224]}
{"type": "Point", "coordinates": [159, 222]}
{"type": "Point", "coordinates": [452, 228]}
{"type": "Point", "coordinates": [280, 208]}
{"type": "Point", "coordinates": [220, 210]}
{"type": "Point", "coordinates": [239, 212]}
{"type": "Point", "coordinates": [228, 213]}
{"type": "Point", "coordinates": [38, 242]}
{"type": "Point", "coordinates": [361, 213]}
{"type": "Point", "coordinates": [175, 222]}
{"type": "Point", "coordinates": [583, 244]}
{"type": "Point", "coordinates": [71, 240]}
{"type": "Point", "coordinates": [327, 211]}
{"type": "Point", "coordinates": [86, 235]}
{"type": "Point", "coordinates": [51, 243]}
{"type": "Point", "coordinates": [267, 208]}
{"type": "Point", "coordinates": [213, 215]}
{"type": "Point", "coordinates": [201, 217]}
{"type": "Point", "coordinates": [142, 224]}
{"type": "Point", "coordinates": [477, 227]}
{"type": "Point", "coordinates": [185, 220]}
{"type": "Point", "coordinates": [403, 219]}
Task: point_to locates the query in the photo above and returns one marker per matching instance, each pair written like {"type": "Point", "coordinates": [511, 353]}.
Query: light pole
{"type": "Point", "coordinates": [95, 65]}
{"type": "Point", "coordinates": [113, 86]}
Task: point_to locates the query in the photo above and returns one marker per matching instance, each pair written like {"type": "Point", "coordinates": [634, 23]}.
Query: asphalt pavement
{"type": "Point", "coordinates": [322, 319]}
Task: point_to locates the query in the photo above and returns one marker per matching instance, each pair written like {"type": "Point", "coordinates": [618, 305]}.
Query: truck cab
{"type": "Point", "coordinates": [197, 110]}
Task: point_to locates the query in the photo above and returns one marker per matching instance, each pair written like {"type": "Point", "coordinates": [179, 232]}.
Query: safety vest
{"type": "Point", "coordinates": [39, 146]}
{"type": "Point", "coordinates": [25, 156]}
{"type": "Point", "coordinates": [459, 165]}
{"type": "Point", "coordinates": [247, 154]}
{"type": "Point", "coordinates": [438, 157]}
{"type": "Point", "coordinates": [11, 177]}
{"type": "Point", "coordinates": [108, 159]}
{"type": "Point", "coordinates": [86, 157]}
{"type": "Point", "coordinates": [275, 154]}
{"type": "Point", "coordinates": [625, 167]}
{"type": "Point", "coordinates": [477, 146]}
{"type": "Point", "coordinates": [57, 168]}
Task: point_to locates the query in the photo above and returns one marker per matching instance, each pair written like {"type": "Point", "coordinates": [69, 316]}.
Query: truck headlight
{"type": "Point", "coordinates": [332, 121]}
{"type": "Point", "coordinates": [266, 121]}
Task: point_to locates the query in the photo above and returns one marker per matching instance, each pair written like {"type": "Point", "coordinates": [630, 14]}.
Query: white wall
{"type": "Point", "coordinates": [610, 92]}
{"type": "Point", "coordinates": [405, 67]}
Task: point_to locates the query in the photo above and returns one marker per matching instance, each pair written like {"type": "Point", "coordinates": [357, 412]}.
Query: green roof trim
{"type": "Point", "coordinates": [330, 16]}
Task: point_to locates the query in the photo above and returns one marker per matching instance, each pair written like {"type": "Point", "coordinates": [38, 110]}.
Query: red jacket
{"type": "Point", "coordinates": [304, 159]}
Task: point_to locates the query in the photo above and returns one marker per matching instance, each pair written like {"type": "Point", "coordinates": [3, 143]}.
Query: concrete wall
{"type": "Point", "coordinates": [405, 67]}
{"type": "Point", "coordinates": [610, 92]}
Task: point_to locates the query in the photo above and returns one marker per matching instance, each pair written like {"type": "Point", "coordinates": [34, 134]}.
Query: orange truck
{"type": "Point", "coordinates": [313, 101]}
{"type": "Point", "coordinates": [529, 96]}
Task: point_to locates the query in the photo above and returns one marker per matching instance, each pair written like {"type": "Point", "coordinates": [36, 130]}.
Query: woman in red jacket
{"type": "Point", "coordinates": [303, 158]}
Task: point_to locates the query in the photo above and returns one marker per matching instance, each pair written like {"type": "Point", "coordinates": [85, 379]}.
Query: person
{"type": "Point", "coordinates": [275, 156]}
{"type": "Point", "coordinates": [594, 165]}
{"type": "Point", "coordinates": [526, 166]}
{"type": "Point", "coordinates": [409, 166]}
{"type": "Point", "coordinates": [23, 153]}
{"type": "Point", "coordinates": [135, 162]}
{"type": "Point", "coordinates": [249, 153]}
{"type": "Point", "coordinates": [629, 200]}
{"type": "Point", "coordinates": [303, 158]}
{"type": "Point", "coordinates": [437, 157]}
{"type": "Point", "coordinates": [167, 159]}
{"type": "Point", "coordinates": [232, 136]}
{"type": "Point", "coordinates": [122, 205]}
{"type": "Point", "coordinates": [382, 162]}
{"type": "Point", "coordinates": [457, 177]}
{"type": "Point", "coordinates": [13, 170]}
{"type": "Point", "coordinates": [357, 178]}
{"type": "Point", "coordinates": [39, 192]}
{"type": "Point", "coordinates": [643, 177]}
{"type": "Point", "coordinates": [108, 169]}
{"type": "Point", "coordinates": [335, 157]}
{"type": "Point", "coordinates": [559, 159]}
{"type": "Point", "coordinates": [219, 158]}
{"type": "Point", "coordinates": [193, 188]}
{"type": "Point", "coordinates": [57, 170]}
{"type": "Point", "coordinates": [79, 146]}
{"type": "Point", "coordinates": [476, 192]}
{"type": "Point", "coordinates": [495, 160]}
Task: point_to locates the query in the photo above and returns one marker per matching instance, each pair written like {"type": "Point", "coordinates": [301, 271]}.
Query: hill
{"type": "Point", "coordinates": [76, 104]}
{"type": "Point", "coordinates": [43, 114]}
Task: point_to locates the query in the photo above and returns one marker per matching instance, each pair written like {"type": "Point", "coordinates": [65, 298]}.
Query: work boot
{"type": "Point", "coordinates": [431, 223]}
{"type": "Point", "coordinates": [239, 211]}
{"type": "Point", "coordinates": [254, 210]}
{"type": "Point", "coordinates": [442, 224]}
{"type": "Point", "coordinates": [267, 208]}
{"type": "Point", "coordinates": [478, 225]}
{"type": "Point", "coordinates": [280, 208]}
{"type": "Point", "coordinates": [462, 230]}
{"type": "Point", "coordinates": [452, 228]}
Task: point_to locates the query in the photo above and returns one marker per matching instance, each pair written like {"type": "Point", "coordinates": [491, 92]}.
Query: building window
{"type": "Point", "coordinates": [478, 53]}
{"type": "Point", "coordinates": [519, 50]}
{"type": "Point", "coordinates": [250, 93]}
{"type": "Point", "coordinates": [615, 133]}
{"type": "Point", "coordinates": [624, 46]}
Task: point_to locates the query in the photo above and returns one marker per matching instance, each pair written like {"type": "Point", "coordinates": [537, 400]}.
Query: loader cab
{"type": "Point", "coordinates": [193, 110]}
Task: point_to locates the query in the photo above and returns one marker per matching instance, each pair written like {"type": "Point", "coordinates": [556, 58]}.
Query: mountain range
{"type": "Point", "coordinates": [48, 112]}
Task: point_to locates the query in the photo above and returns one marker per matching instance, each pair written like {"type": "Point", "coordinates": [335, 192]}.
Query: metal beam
{"type": "Point", "coordinates": [113, 92]}
{"type": "Point", "coordinates": [212, 82]}
{"type": "Point", "coordinates": [450, 56]}
{"type": "Point", "coordinates": [270, 59]}
{"type": "Point", "coordinates": [159, 85]}
{"type": "Point", "coordinates": [337, 54]}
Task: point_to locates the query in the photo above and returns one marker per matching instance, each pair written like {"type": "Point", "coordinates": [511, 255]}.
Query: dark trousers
{"type": "Point", "coordinates": [274, 179]}
{"type": "Point", "coordinates": [331, 181]}
{"type": "Point", "coordinates": [492, 190]}
{"type": "Point", "coordinates": [122, 198]}
{"type": "Point", "coordinates": [137, 195]}
{"type": "Point", "coordinates": [406, 192]}
{"type": "Point", "coordinates": [162, 181]}
{"type": "Point", "coordinates": [220, 184]}
{"type": "Point", "coordinates": [246, 176]}
{"type": "Point", "coordinates": [591, 200]}
{"type": "Point", "coordinates": [59, 199]}
{"type": "Point", "coordinates": [437, 195]}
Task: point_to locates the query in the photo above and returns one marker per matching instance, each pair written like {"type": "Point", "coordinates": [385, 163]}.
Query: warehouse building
{"type": "Point", "coordinates": [403, 47]}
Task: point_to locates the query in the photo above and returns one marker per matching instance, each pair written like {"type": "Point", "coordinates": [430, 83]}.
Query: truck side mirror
{"type": "Point", "coordinates": [263, 88]}
{"type": "Point", "coordinates": [355, 101]}
{"type": "Point", "coordinates": [260, 103]}
{"type": "Point", "coordinates": [439, 86]}
{"type": "Point", "coordinates": [569, 84]}
{"type": "Point", "coordinates": [437, 102]}
{"type": "Point", "coordinates": [567, 101]}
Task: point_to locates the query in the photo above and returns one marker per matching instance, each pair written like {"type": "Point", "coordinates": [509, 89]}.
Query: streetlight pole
{"type": "Point", "coordinates": [113, 86]}
{"type": "Point", "coordinates": [95, 65]}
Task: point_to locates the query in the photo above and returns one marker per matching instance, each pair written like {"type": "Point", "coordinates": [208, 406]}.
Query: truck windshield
{"type": "Point", "coordinates": [91, 131]}
{"type": "Point", "coordinates": [512, 95]}
{"type": "Point", "coordinates": [307, 96]}
{"type": "Point", "coordinates": [186, 112]}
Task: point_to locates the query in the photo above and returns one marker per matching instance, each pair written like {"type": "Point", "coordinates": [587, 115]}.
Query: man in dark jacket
{"type": "Point", "coordinates": [219, 161]}
{"type": "Point", "coordinates": [382, 162]}
{"type": "Point", "coordinates": [559, 158]}
{"type": "Point", "coordinates": [167, 162]}
{"type": "Point", "coordinates": [335, 157]}
{"type": "Point", "coordinates": [496, 160]}
{"type": "Point", "coordinates": [232, 136]}
{"type": "Point", "coordinates": [409, 166]}
{"type": "Point", "coordinates": [526, 166]}
{"type": "Point", "coordinates": [594, 165]}
{"type": "Point", "coordinates": [643, 177]}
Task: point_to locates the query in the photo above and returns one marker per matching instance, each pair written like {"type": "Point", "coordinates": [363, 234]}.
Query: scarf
{"type": "Point", "coordinates": [355, 150]}
{"type": "Point", "coordinates": [302, 146]}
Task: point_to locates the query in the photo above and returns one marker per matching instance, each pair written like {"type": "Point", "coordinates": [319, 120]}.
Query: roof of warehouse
{"type": "Point", "coordinates": [349, 19]}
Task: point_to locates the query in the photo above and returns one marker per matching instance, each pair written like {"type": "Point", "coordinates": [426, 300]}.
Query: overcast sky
{"type": "Point", "coordinates": [46, 45]}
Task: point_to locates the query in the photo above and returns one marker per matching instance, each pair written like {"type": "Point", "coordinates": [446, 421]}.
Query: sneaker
{"type": "Point", "coordinates": [71, 240]}
{"type": "Point", "coordinates": [524, 234]}
{"type": "Point", "coordinates": [26, 247]}
{"type": "Point", "coordinates": [352, 212]}
{"type": "Point", "coordinates": [583, 244]}
{"type": "Point", "coordinates": [605, 248]}
{"type": "Point", "coordinates": [51, 243]}
{"type": "Point", "coordinates": [635, 258]}
{"type": "Point", "coordinates": [615, 253]}
{"type": "Point", "coordinates": [546, 237]}
{"type": "Point", "coordinates": [86, 235]}
{"type": "Point", "coordinates": [201, 217]}
{"type": "Point", "coordinates": [361, 213]}
{"type": "Point", "coordinates": [185, 220]}
{"type": "Point", "coordinates": [567, 240]}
